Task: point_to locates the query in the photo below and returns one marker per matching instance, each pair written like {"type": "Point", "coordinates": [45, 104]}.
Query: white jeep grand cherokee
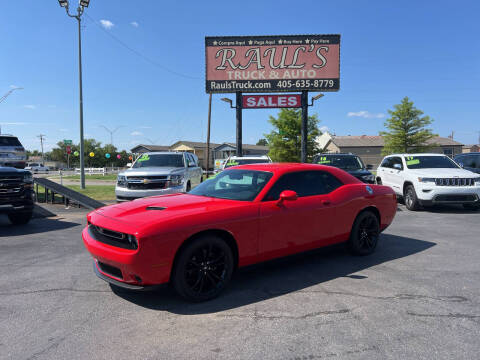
{"type": "Point", "coordinates": [429, 179]}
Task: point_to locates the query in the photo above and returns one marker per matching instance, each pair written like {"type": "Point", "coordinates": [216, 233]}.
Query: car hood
{"type": "Point", "coordinates": [164, 170]}
{"type": "Point", "coordinates": [360, 172]}
{"type": "Point", "coordinates": [5, 170]}
{"type": "Point", "coordinates": [146, 211]}
{"type": "Point", "coordinates": [443, 173]}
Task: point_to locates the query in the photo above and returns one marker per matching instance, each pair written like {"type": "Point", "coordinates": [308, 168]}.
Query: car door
{"type": "Point", "coordinates": [396, 175]}
{"type": "Point", "coordinates": [300, 224]}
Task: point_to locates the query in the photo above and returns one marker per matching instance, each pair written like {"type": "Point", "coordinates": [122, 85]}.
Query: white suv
{"type": "Point", "coordinates": [429, 179]}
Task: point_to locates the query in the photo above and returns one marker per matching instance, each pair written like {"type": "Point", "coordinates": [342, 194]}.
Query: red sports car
{"type": "Point", "coordinates": [245, 215]}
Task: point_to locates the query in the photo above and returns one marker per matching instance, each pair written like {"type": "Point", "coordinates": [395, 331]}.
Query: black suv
{"type": "Point", "coordinates": [349, 163]}
{"type": "Point", "coordinates": [469, 161]}
{"type": "Point", "coordinates": [16, 194]}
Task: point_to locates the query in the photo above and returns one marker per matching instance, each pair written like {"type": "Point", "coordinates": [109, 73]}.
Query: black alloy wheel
{"type": "Point", "coordinates": [365, 233]}
{"type": "Point", "coordinates": [203, 269]}
{"type": "Point", "coordinates": [410, 196]}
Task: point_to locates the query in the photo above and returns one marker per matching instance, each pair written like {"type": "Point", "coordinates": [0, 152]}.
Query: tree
{"type": "Point", "coordinates": [262, 142]}
{"type": "Point", "coordinates": [285, 139]}
{"type": "Point", "coordinates": [408, 130]}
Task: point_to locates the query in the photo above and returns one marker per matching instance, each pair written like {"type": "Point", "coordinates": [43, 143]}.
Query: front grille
{"type": "Point", "coordinates": [10, 190]}
{"type": "Point", "coordinates": [110, 270]}
{"type": "Point", "coordinates": [110, 237]}
{"type": "Point", "coordinates": [458, 198]}
{"type": "Point", "coordinates": [148, 186]}
{"type": "Point", "coordinates": [454, 182]}
{"type": "Point", "coordinates": [11, 186]}
{"type": "Point", "coordinates": [152, 177]}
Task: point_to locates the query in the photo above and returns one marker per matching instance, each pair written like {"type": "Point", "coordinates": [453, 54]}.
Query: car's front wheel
{"type": "Point", "coordinates": [20, 218]}
{"type": "Point", "coordinates": [203, 269]}
{"type": "Point", "coordinates": [365, 233]}
{"type": "Point", "coordinates": [411, 200]}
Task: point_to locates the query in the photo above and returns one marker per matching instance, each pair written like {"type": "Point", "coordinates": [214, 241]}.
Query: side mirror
{"type": "Point", "coordinates": [369, 167]}
{"type": "Point", "coordinates": [287, 195]}
{"type": "Point", "coordinates": [397, 167]}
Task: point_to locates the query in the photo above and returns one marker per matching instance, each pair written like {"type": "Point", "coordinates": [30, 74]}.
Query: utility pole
{"type": "Point", "coordinates": [81, 7]}
{"type": "Point", "coordinates": [42, 137]}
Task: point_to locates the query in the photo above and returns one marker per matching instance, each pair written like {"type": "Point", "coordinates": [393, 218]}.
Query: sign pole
{"type": "Point", "coordinates": [208, 131]}
{"type": "Point", "coordinates": [238, 105]}
{"type": "Point", "coordinates": [304, 133]}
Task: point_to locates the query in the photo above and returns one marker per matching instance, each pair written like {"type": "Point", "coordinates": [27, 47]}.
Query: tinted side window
{"type": "Point", "coordinates": [304, 183]}
{"type": "Point", "coordinates": [397, 160]}
{"type": "Point", "coordinates": [387, 163]}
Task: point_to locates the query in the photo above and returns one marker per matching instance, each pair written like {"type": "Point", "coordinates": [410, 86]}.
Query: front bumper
{"type": "Point", "coordinates": [448, 195]}
{"type": "Point", "coordinates": [23, 203]}
{"type": "Point", "coordinates": [125, 194]}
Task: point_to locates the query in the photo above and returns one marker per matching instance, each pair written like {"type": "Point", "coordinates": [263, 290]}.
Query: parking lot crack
{"type": "Point", "coordinates": [258, 316]}
{"type": "Point", "coordinates": [449, 315]}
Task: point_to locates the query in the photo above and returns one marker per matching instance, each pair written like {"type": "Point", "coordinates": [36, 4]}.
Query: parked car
{"type": "Point", "coordinates": [16, 194]}
{"type": "Point", "coordinates": [429, 179]}
{"type": "Point", "coordinates": [37, 168]}
{"type": "Point", "coordinates": [159, 173]}
{"type": "Point", "coordinates": [347, 162]}
{"type": "Point", "coordinates": [244, 160]}
{"type": "Point", "coordinates": [469, 161]}
{"type": "Point", "coordinates": [12, 152]}
{"type": "Point", "coordinates": [245, 215]}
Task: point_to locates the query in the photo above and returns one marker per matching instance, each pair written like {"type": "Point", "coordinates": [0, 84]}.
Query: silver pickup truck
{"type": "Point", "coordinates": [159, 173]}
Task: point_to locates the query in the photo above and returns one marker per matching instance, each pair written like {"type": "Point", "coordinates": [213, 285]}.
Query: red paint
{"type": "Point", "coordinates": [262, 229]}
{"type": "Point", "coordinates": [68, 149]}
{"type": "Point", "coordinates": [271, 101]}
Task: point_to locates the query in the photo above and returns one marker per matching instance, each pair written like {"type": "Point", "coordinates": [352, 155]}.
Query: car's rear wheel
{"type": "Point", "coordinates": [365, 233]}
{"type": "Point", "coordinates": [20, 218]}
{"type": "Point", "coordinates": [203, 269]}
{"type": "Point", "coordinates": [410, 196]}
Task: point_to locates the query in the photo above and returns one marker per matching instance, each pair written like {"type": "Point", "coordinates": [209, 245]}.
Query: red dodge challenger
{"type": "Point", "coordinates": [245, 215]}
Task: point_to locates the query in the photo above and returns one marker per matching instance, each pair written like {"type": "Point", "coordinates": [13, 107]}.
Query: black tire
{"type": "Point", "coordinates": [189, 187]}
{"type": "Point", "coordinates": [20, 218]}
{"type": "Point", "coordinates": [379, 181]}
{"type": "Point", "coordinates": [365, 233]}
{"type": "Point", "coordinates": [473, 207]}
{"type": "Point", "coordinates": [411, 200]}
{"type": "Point", "coordinates": [203, 269]}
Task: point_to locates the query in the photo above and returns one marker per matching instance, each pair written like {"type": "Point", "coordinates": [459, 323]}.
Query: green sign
{"type": "Point", "coordinates": [67, 142]}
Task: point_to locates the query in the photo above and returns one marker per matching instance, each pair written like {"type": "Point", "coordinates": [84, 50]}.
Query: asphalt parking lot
{"type": "Point", "coordinates": [417, 297]}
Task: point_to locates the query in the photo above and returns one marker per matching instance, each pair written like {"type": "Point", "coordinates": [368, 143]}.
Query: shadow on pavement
{"type": "Point", "coordinates": [451, 209]}
{"type": "Point", "coordinates": [35, 226]}
{"type": "Point", "coordinates": [279, 277]}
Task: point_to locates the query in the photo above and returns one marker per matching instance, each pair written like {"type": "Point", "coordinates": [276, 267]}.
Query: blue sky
{"type": "Point", "coordinates": [427, 50]}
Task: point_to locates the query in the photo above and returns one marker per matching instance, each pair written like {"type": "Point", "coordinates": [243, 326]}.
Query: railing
{"type": "Point", "coordinates": [68, 195]}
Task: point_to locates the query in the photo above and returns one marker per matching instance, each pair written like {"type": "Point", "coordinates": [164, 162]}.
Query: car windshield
{"type": "Point", "coordinates": [9, 141]}
{"type": "Point", "coordinates": [235, 162]}
{"type": "Point", "coordinates": [234, 184]}
{"type": "Point", "coordinates": [429, 162]}
{"type": "Point", "coordinates": [342, 162]}
{"type": "Point", "coordinates": [471, 161]}
{"type": "Point", "coordinates": [160, 160]}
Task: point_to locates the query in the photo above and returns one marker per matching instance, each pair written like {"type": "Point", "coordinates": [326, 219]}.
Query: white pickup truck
{"type": "Point", "coordinates": [429, 179]}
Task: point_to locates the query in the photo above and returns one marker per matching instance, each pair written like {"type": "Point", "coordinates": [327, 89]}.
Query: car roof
{"type": "Point", "coordinates": [336, 154]}
{"type": "Point", "coordinates": [249, 157]}
{"type": "Point", "coordinates": [163, 153]}
{"type": "Point", "coordinates": [281, 168]}
{"type": "Point", "coordinates": [417, 154]}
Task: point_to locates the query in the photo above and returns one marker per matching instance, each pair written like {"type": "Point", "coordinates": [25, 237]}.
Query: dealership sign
{"type": "Point", "coordinates": [272, 63]}
{"type": "Point", "coordinates": [271, 101]}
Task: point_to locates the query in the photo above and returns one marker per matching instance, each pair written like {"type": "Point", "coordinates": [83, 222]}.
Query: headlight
{"type": "Point", "coordinates": [369, 177]}
{"type": "Point", "coordinates": [121, 180]}
{"type": "Point", "coordinates": [175, 180]}
{"type": "Point", "coordinates": [133, 241]}
{"type": "Point", "coordinates": [426, 180]}
{"type": "Point", "coordinates": [28, 178]}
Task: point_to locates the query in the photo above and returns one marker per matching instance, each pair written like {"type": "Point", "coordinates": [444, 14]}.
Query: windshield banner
{"type": "Point", "coordinates": [272, 63]}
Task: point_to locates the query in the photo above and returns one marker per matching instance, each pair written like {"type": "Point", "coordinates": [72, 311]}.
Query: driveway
{"type": "Point", "coordinates": [417, 297]}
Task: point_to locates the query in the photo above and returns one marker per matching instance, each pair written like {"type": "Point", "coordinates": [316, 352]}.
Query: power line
{"type": "Point", "coordinates": [144, 57]}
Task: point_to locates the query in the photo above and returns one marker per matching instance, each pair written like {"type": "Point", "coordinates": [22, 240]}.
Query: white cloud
{"type": "Point", "coordinates": [14, 87]}
{"type": "Point", "coordinates": [29, 106]}
{"type": "Point", "coordinates": [365, 114]}
{"type": "Point", "coordinates": [324, 129]}
{"type": "Point", "coordinates": [107, 24]}
{"type": "Point", "coordinates": [63, 130]}
{"type": "Point", "coordinates": [136, 133]}
{"type": "Point", "coordinates": [14, 123]}
{"type": "Point", "coordinates": [134, 24]}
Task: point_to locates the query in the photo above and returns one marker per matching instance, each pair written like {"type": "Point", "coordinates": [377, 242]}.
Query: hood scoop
{"type": "Point", "coordinates": [155, 208]}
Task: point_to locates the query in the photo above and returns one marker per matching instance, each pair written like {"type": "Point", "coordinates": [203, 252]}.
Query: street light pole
{"type": "Point", "coordinates": [78, 16]}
